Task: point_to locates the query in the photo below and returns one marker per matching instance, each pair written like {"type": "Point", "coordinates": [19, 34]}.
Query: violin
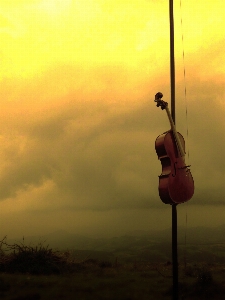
{"type": "Point", "coordinates": [176, 184]}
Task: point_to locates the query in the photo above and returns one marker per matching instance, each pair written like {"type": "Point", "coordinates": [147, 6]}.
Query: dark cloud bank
{"type": "Point", "coordinates": [99, 152]}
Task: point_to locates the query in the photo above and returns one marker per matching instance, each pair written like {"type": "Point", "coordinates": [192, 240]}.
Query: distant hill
{"type": "Point", "coordinates": [199, 235]}
{"type": "Point", "coordinates": [64, 240]}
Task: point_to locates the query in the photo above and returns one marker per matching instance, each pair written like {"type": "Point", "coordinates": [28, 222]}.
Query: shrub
{"type": "Point", "coordinates": [32, 259]}
{"type": "Point", "coordinates": [105, 264]}
{"type": "Point", "coordinates": [204, 277]}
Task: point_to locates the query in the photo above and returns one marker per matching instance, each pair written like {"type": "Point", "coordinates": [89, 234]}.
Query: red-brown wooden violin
{"type": "Point", "coordinates": [176, 184]}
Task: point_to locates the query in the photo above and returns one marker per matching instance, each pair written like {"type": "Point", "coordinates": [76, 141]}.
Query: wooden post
{"type": "Point", "coordinates": [174, 251]}
{"type": "Point", "coordinates": [172, 62]}
{"type": "Point", "coordinates": [174, 206]}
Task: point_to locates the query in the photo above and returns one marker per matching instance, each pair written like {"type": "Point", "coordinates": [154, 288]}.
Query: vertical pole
{"type": "Point", "coordinates": [174, 252]}
{"type": "Point", "coordinates": [172, 61]}
{"type": "Point", "coordinates": [174, 206]}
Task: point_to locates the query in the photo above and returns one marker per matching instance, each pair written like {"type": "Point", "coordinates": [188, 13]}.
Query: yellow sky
{"type": "Point", "coordinates": [76, 81]}
{"type": "Point", "coordinates": [37, 34]}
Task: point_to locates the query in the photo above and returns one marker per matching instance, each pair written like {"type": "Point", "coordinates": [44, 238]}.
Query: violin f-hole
{"type": "Point", "coordinates": [175, 169]}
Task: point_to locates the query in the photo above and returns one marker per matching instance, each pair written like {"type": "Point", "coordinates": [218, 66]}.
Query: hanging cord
{"type": "Point", "coordinates": [185, 242]}
{"type": "Point", "coordinates": [184, 74]}
{"type": "Point", "coordinates": [185, 97]}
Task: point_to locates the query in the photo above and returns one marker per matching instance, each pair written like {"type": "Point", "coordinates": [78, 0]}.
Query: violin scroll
{"type": "Point", "coordinates": [160, 102]}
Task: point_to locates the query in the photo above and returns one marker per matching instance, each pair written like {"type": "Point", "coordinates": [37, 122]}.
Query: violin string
{"type": "Point", "coordinates": [186, 112]}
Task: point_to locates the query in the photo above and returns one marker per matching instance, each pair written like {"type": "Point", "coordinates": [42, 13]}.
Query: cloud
{"type": "Point", "coordinates": [77, 134]}
{"type": "Point", "coordinates": [95, 150]}
{"type": "Point", "coordinates": [82, 141]}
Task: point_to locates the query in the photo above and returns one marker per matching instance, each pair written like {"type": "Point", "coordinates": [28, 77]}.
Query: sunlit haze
{"type": "Point", "coordinates": [78, 122]}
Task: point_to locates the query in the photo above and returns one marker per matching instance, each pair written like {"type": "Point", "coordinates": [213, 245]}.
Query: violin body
{"type": "Point", "coordinates": [176, 184]}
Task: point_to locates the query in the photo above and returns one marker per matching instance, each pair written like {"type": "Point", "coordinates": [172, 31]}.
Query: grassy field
{"type": "Point", "coordinates": [99, 281]}
{"type": "Point", "coordinates": [91, 283]}
{"type": "Point", "coordinates": [37, 272]}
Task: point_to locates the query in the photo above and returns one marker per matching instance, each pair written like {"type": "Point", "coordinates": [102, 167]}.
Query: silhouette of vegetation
{"type": "Point", "coordinates": [38, 259]}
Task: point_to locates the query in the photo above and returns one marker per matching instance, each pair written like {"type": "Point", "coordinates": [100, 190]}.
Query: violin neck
{"type": "Point", "coordinates": [176, 137]}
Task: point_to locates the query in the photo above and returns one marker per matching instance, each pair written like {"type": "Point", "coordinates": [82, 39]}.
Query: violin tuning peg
{"type": "Point", "coordinates": [158, 96]}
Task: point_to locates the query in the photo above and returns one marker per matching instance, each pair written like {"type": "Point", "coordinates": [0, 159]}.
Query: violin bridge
{"type": "Point", "coordinates": [185, 167]}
